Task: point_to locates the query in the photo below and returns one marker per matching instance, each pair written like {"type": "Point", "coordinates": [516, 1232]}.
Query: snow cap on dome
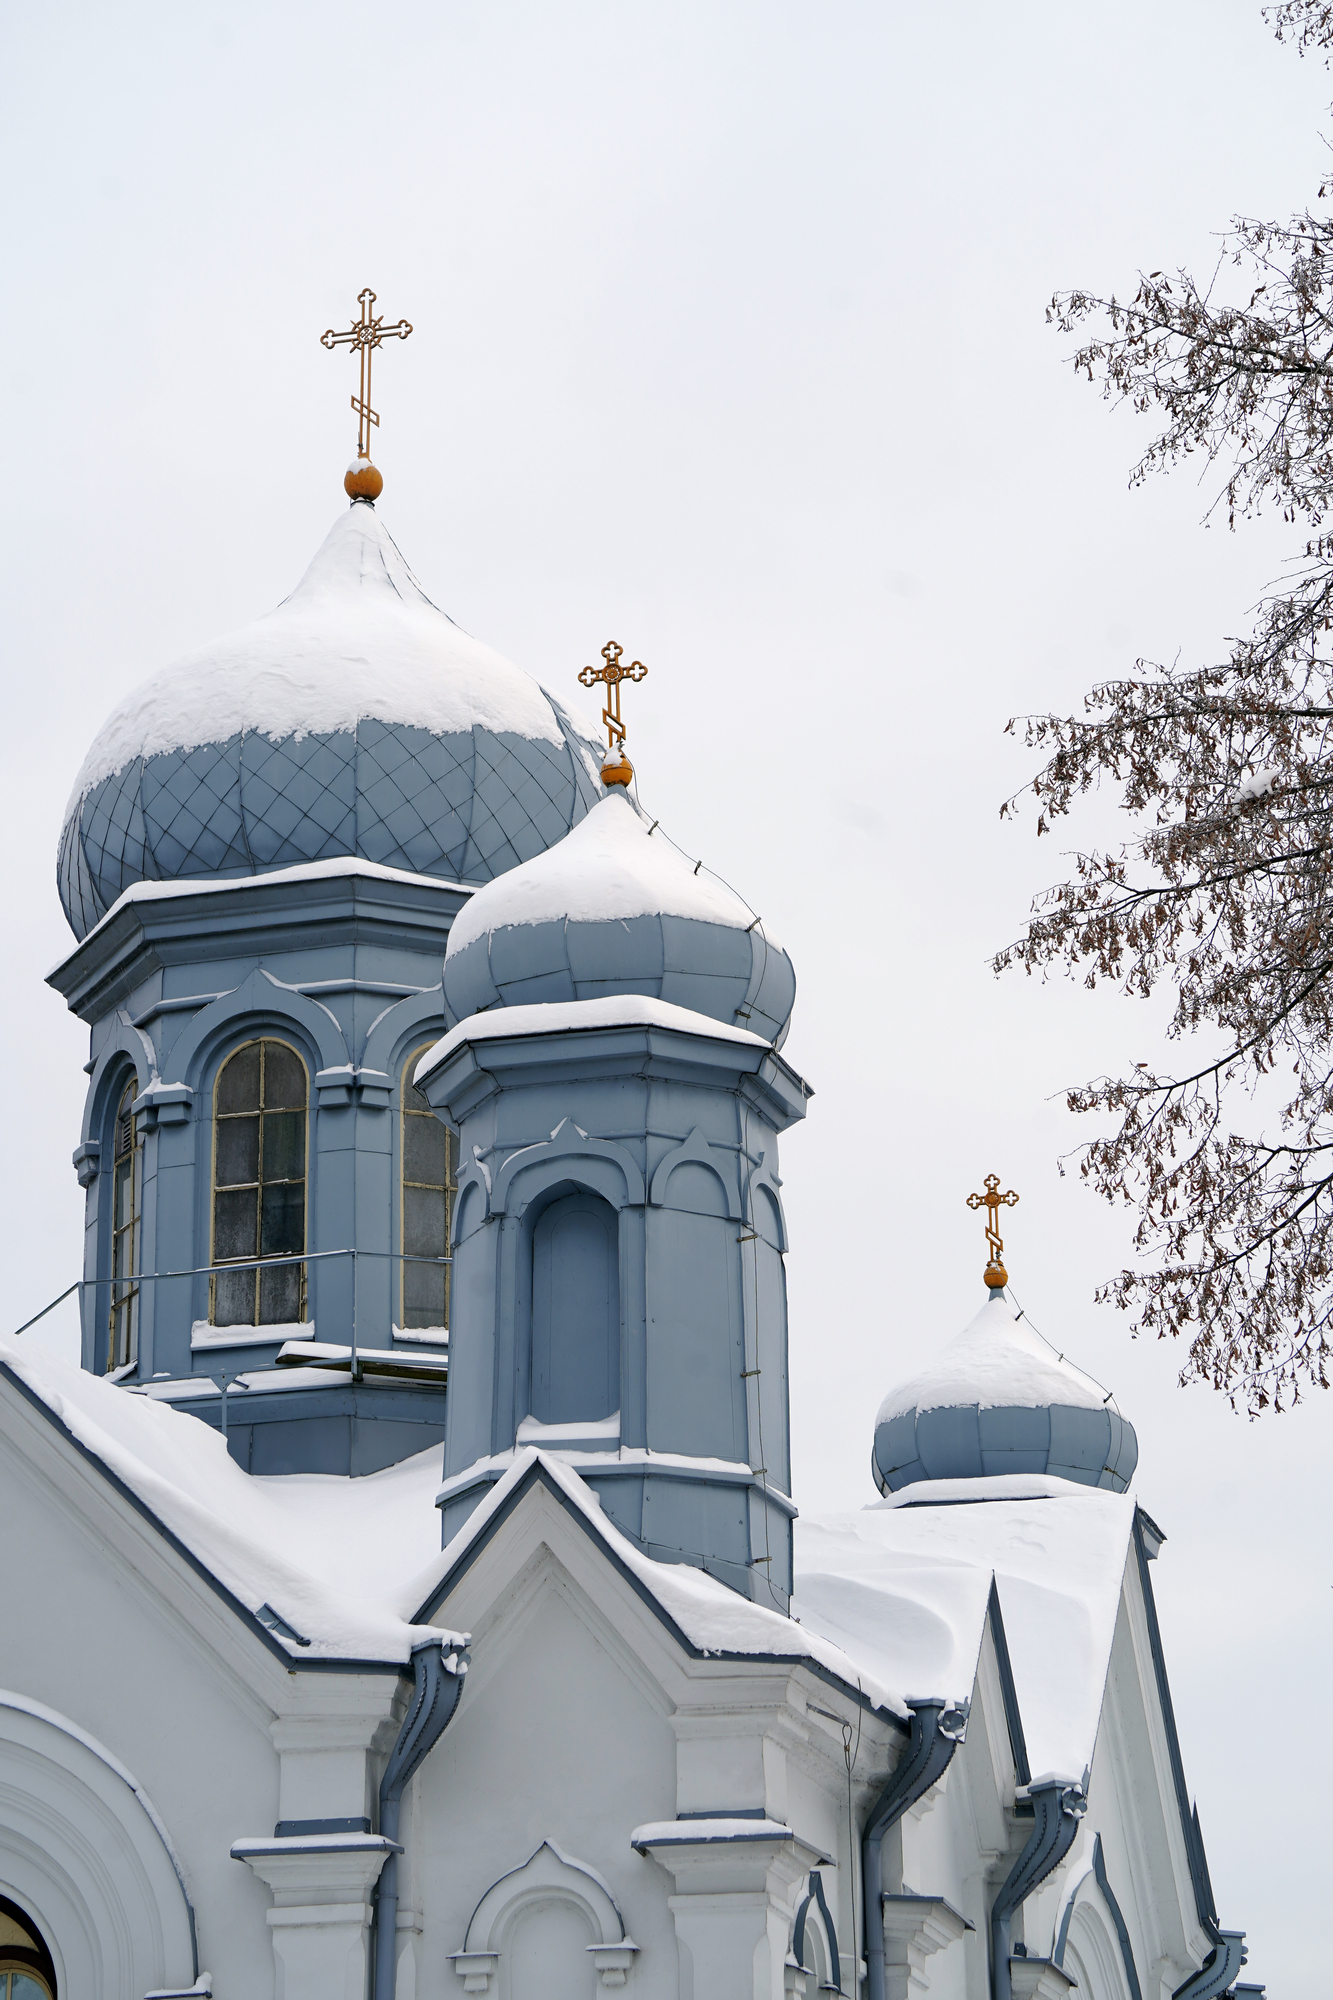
{"type": "Point", "coordinates": [999, 1400]}
{"type": "Point", "coordinates": [355, 719]}
{"type": "Point", "coordinates": [615, 908]}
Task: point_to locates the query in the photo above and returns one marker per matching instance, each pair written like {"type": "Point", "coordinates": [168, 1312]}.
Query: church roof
{"type": "Point", "coordinates": [1000, 1400]}
{"type": "Point", "coordinates": [890, 1601]}
{"type": "Point", "coordinates": [355, 719]}
{"type": "Point", "coordinates": [903, 1587]}
{"type": "Point", "coordinates": [615, 908]}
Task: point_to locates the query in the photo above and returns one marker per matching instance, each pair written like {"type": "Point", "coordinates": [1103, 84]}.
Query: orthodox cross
{"type": "Point", "coordinates": [611, 675]}
{"type": "Point", "coordinates": [993, 1201]}
{"type": "Point", "coordinates": [365, 335]}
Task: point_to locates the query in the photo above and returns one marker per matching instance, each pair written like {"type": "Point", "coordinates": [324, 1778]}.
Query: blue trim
{"type": "Point", "coordinates": [1013, 1719]}
{"type": "Point", "coordinates": [537, 1474]}
{"type": "Point", "coordinates": [925, 1761]}
{"type": "Point", "coordinates": [1122, 1930]}
{"type": "Point", "coordinates": [1117, 1917]}
{"type": "Point", "coordinates": [437, 1687]}
{"type": "Point", "coordinates": [816, 1890]}
{"type": "Point", "coordinates": [1189, 1820]}
{"type": "Point", "coordinates": [1058, 1809]}
{"type": "Point", "coordinates": [1218, 1971]}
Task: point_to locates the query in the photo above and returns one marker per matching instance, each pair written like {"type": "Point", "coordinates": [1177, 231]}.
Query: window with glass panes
{"type": "Point", "coordinates": [26, 1971]}
{"type": "Point", "coordinates": [430, 1174]}
{"type": "Point", "coordinates": [120, 1345]}
{"type": "Point", "coordinates": [259, 1174]}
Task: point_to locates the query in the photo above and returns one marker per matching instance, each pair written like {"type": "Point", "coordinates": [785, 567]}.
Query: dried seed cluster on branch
{"type": "Point", "coordinates": [1225, 894]}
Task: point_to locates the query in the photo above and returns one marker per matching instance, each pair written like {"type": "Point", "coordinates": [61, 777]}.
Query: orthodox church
{"type": "Point", "coordinates": [407, 1596]}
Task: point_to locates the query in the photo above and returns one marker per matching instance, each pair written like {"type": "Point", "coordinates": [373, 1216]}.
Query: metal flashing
{"type": "Point", "coordinates": [537, 1474]}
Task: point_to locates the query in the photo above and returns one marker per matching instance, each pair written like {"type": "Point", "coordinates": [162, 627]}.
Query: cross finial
{"type": "Point", "coordinates": [616, 769]}
{"type": "Point", "coordinates": [363, 480]}
{"type": "Point", "coordinates": [993, 1201]}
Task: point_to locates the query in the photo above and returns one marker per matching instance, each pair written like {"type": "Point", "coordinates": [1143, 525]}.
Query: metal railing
{"type": "Point", "coordinates": [82, 1285]}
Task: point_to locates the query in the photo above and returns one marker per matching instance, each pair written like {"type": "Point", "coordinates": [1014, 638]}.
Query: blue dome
{"type": "Point", "coordinates": [1000, 1401]}
{"type": "Point", "coordinates": [615, 908]}
{"type": "Point", "coordinates": [356, 719]}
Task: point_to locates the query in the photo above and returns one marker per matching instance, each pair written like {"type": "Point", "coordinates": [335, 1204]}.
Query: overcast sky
{"type": "Point", "coordinates": [729, 343]}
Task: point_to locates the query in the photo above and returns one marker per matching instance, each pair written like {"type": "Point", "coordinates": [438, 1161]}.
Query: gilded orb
{"type": "Point", "coordinates": [363, 481]}
{"type": "Point", "coordinates": [616, 770]}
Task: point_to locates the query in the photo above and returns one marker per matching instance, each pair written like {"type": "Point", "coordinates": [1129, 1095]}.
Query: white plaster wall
{"type": "Point", "coordinates": [561, 1735]}
{"type": "Point", "coordinates": [87, 1633]}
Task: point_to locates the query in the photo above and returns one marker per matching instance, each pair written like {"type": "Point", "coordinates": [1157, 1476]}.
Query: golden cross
{"type": "Point", "coordinates": [365, 335]}
{"type": "Point", "coordinates": [993, 1201]}
{"type": "Point", "coordinates": [612, 674]}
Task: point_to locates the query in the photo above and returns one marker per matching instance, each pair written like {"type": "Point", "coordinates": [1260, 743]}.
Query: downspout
{"type": "Point", "coordinates": [1058, 1808]}
{"type": "Point", "coordinates": [938, 1727]}
{"type": "Point", "coordinates": [1217, 1973]}
{"type": "Point", "coordinates": [437, 1683]}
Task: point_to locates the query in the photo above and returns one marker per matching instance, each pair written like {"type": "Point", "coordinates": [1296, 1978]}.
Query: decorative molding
{"type": "Point", "coordinates": [548, 1875]}
{"type": "Point", "coordinates": [1039, 1979]}
{"type": "Point", "coordinates": [163, 1104]}
{"type": "Point", "coordinates": [125, 1041]}
{"type": "Point", "coordinates": [915, 1928]}
{"type": "Point", "coordinates": [695, 1149]}
{"type": "Point", "coordinates": [258, 1001]}
{"type": "Point", "coordinates": [87, 1162]}
{"type": "Point", "coordinates": [545, 1162]}
{"type": "Point", "coordinates": [82, 1843]}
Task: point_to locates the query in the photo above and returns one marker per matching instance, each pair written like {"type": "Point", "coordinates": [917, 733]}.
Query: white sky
{"type": "Point", "coordinates": [729, 343]}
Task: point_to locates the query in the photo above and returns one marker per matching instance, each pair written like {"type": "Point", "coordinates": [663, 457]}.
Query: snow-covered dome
{"type": "Point", "coordinates": [356, 719]}
{"type": "Point", "coordinates": [615, 908]}
{"type": "Point", "coordinates": [999, 1400]}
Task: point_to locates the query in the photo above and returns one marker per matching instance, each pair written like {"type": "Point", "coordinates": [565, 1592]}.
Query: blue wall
{"type": "Point", "coordinates": [346, 968]}
{"type": "Point", "coordinates": [674, 1133]}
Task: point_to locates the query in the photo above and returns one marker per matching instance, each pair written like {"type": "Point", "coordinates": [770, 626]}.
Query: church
{"type": "Point", "coordinates": [407, 1597]}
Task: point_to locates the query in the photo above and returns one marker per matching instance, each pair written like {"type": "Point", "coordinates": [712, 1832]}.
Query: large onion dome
{"type": "Point", "coordinates": [615, 908]}
{"type": "Point", "coordinates": [999, 1400]}
{"type": "Point", "coordinates": [356, 719]}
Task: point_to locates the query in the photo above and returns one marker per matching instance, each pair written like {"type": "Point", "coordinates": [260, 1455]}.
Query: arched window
{"type": "Point", "coordinates": [26, 1971]}
{"type": "Point", "coordinates": [575, 1311]}
{"type": "Point", "coordinates": [124, 1327]}
{"type": "Point", "coordinates": [430, 1181]}
{"type": "Point", "coordinates": [259, 1173]}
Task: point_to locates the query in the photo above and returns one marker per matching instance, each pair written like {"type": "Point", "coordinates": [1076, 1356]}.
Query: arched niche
{"type": "Point", "coordinates": [84, 1853]}
{"type": "Point", "coordinates": [549, 1930]}
{"type": "Point", "coordinates": [575, 1354]}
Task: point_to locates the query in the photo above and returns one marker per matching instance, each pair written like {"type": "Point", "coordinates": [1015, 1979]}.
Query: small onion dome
{"type": "Point", "coordinates": [356, 719]}
{"type": "Point", "coordinates": [363, 481]}
{"type": "Point", "coordinates": [999, 1400]}
{"type": "Point", "coordinates": [615, 908]}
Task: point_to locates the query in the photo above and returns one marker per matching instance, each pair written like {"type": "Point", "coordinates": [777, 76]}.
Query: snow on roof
{"type": "Point", "coordinates": [357, 637]}
{"type": "Point", "coordinates": [613, 1010]}
{"type": "Point", "coordinates": [306, 871]}
{"type": "Point", "coordinates": [995, 1362]}
{"type": "Point", "coordinates": [712, 1615]}
{"type": "Point", "coordinates": [609, 867]}
{"type": "Point", "coordinates": [903, 1590]}
{"type": "Point", "coordinates": [891, 1599]}
{"type": "Point", "coordinates": [313, 1547]}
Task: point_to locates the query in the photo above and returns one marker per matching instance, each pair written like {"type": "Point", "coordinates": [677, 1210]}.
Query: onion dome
{"type": "Point", "coordinates": [615, 908]}
{"type": "Point", "coordinates": [356, 719]}
{"type": "Point", "coordinates": [999, 1400]}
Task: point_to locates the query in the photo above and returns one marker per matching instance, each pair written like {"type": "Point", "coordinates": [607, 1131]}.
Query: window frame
{"type": "Point", "coordinates": [258, 1041]}
{"type": "Point", "coordinates": [125, 1301]}
{"type": "Point", "coordinates": [406, 1111]}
